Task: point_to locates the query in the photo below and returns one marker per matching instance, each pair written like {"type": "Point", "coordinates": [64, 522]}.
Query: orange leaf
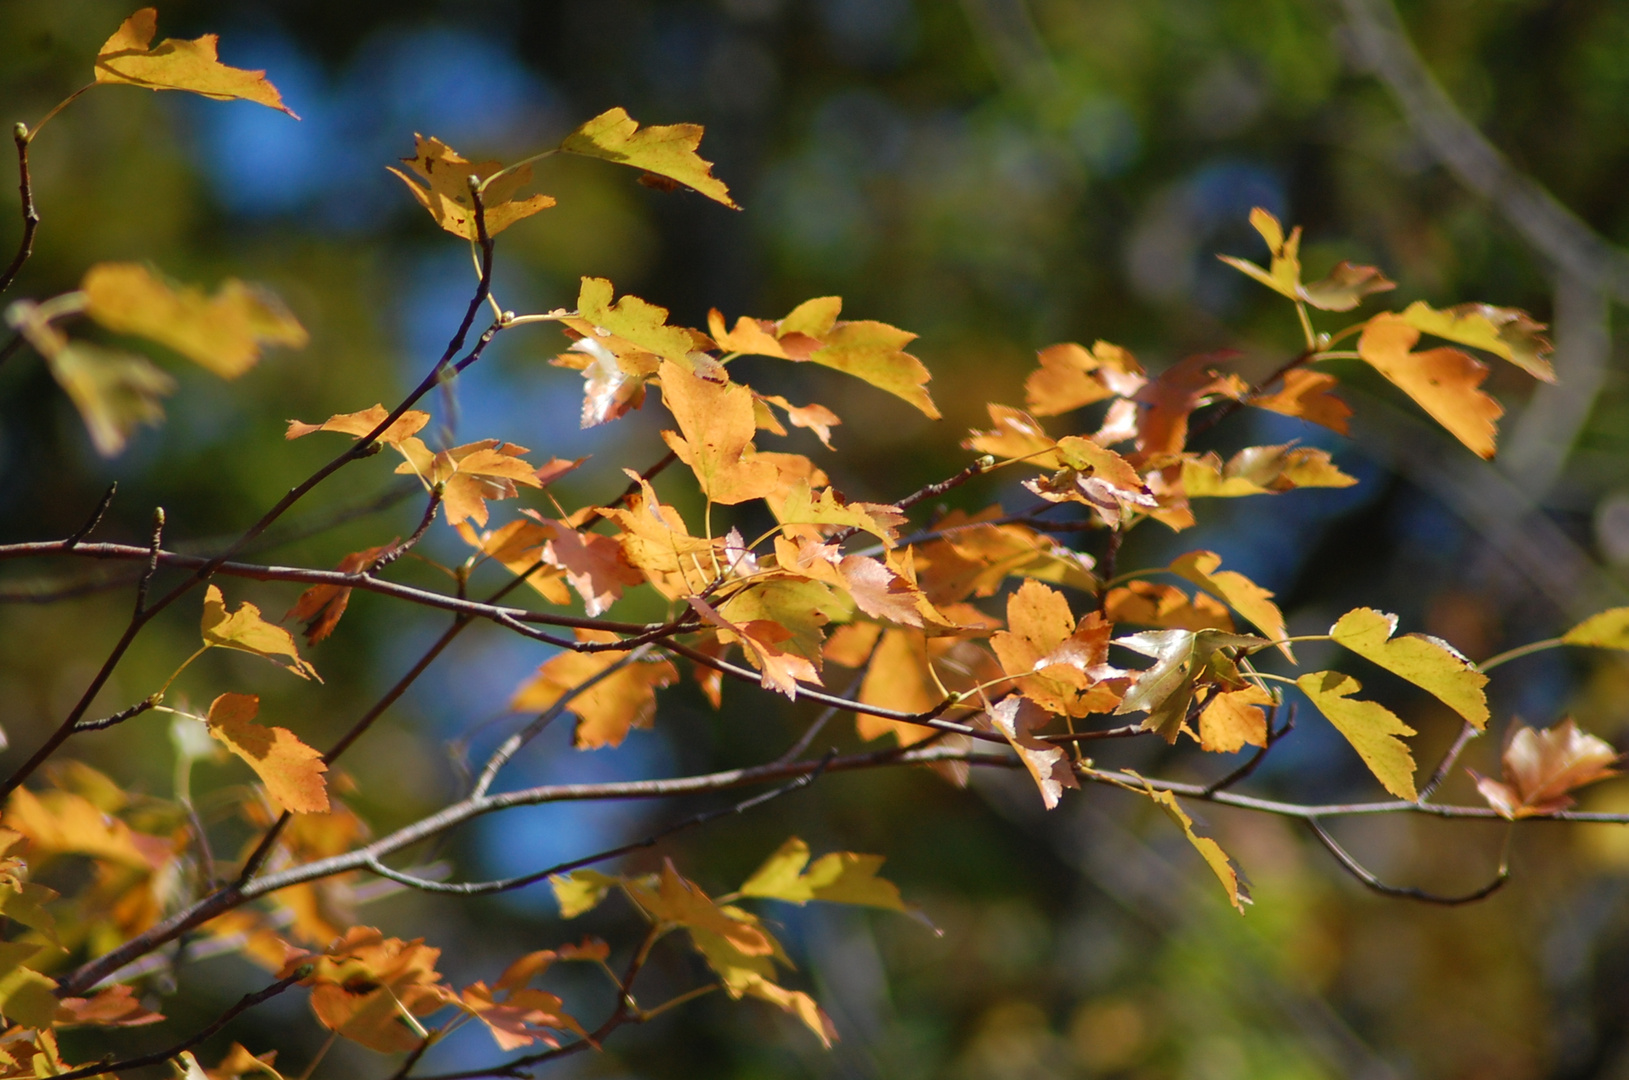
{"type": "Point", "coordinates": [520, 547]}
{"type": "Point", "coordinates": [363, 984]}
{"type": "Point", "coordinates": [291, 770]}
{"type": "Point", "coordinates": [321, 606]}
{"type": "Point", "coordinates": [1306, 394]}
{"type": "Point", "coordinates": [1096, 476]}
{"type": "Point", "coordinates": [762, 640]}
{"type": "Point", "coordinates": [1542, 768]}
{"type": "Point", "coordinates": [1233, 719]}
{"type": "Point", "coordinates": [1146, 603]}
{"type": "Point", "coordinates": [445, 192]}
{"type": "Point", "coordinates": [360, 423]}
{"type": "Point", "coordinates": [469, 475]}
{"type": "Point", "coordinates": [178, 65]}
{"type": "Point", "coordinates": [245, 630]}
{"type": "Point", "coordinates": [1239, 592]}
{"type": "Point", "coordinates": [1178, 391]}
{"type": "Point", "coordinates": [1060, 665]}
{"type": "Point", "coordinates": [112, 1006]}
{"type": "Point", "coordinates": [1070, 377]}
{"type": "Point", "coordinates": [606, 710]}
{"type": "Point", "coordinates": [717, 424]}
{"type": "Point", "coordinates": [656, 541]}
{"type": "Point", "coordinates": [1443, 382]}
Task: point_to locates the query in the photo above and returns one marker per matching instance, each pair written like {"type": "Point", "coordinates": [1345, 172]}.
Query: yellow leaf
{"type": "Point", "coordinates": [291, 770]}
{"type": "Point", "coordinates": [1506, 332]}
{"type": "Point", "coordinates": [799, 606]}
{"type": "Point", "coordinates": [716, 442]}
{"type": "Point", "coordinates": [1241, 594]}
{"type": "Point", "coordinates": [224, 333]}
{"type": "Point", "coordinates": [360, 423]}
{"type": "Point", "coordinates": [841, 877]}
{"type": "Point", "coordinates": [1260, 470]}
{"type": "Point", "coordinates": [666, 150]}
{"type": "Point", "coordinates": [1342, 290]}
{"type": "Point", "coordinates": [900, 678]}
{"type": "Point", "coordinates": [1345, 287]}
{"type": "Point", "coordinates": [28, 998]}
{"type": "Point", "coordinates": [245, 630]}
{"type": "Point", "coordinates": [113, 391]}
{"type": "Point", "coordinates": [469, 475]}
{"type": "Point", "coordinates": [875, 352]}
{"type": "Point", "coordinates": [802, 507]}
{"type": "Point", "coordinates": [1049, 766]}
{"type": "Point", "coordinates": [445, 192]}
{"type": "Point", "coordinates": [66, 823]}
{"type": "Point", "coordinates": [1371, 728]}
{"type": "Point", "coordinates": [1606, 630]}
{"type": "Point", "coordinates": [1238, 893]}
{"type": "Point", "coordinates": [656, 541]}
{"type": "Point", "coordinates": [607, 710]}
{"type": "Point", "coordinates": [1443, 382]}
{"type": "Point", "coordinates": [178, 65]}
{"type": "Point", "coordinates": [636, 321]}
{"type": "Point", "coordinates": [1233, 719]}
{"type": "Point", "coordinates": [581, 891]}
{"type": "Point", "coordinates": [520, 547]}
{"type": "Point", "coordinates": [1429, 663]}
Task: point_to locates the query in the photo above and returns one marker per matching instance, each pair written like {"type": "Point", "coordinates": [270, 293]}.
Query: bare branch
{"type": "Point", "coordinates": [1359, 871]}
{"type": "Point", "coordinates": [31, 216]}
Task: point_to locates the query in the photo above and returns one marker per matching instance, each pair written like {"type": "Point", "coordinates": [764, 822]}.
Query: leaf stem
{"type": "Point", "coordinates": [1519, 651]}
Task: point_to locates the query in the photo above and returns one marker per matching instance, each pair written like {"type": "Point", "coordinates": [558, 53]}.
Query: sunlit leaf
{"type": "Point", "coordinates": [1233, 719]}
{"type": "Point", "coordinates": [581, 891]}
{"type": "Point", "coordinates": [803, 506]}
{"type": "Point", "coordinates": [1069, 377]}
{"type": "Point", "coordinates": [1371, 728]}
{"type": "Point", "coordinates": [175, 64]}
{"type": "Point", "coordinates": [224, 332]}
{"type": "Point", "coordinates": [772, 648]}
{"type": "Point", "coordinates": [633, 320]}
{"type": "Point", "coordinates": [715, 440]}
{"type": "Point", "coordinates": [291, 770]}
{"type": "Point", "coordinates": [1606, 630]}
{"type": "Point", "coordinates": [1238, 894]}
{"type": "Point", "coordinates": [1261, 470]}
{"type": "Point", "coordinates": [115, 392]}
{"type": "Point", "coordinates": [521, 546]}
{"type": "Point", "coordinates": [1183, 660]}
{"type": "Point", "coordinates": [321, 606]}
{"type": "Point", "coordinates": [359, 424]}
{"type": "Point", "coordinates": [606, 710]}
{"type": "Point", "coordinates": [111, 1006]}
{"type": "Point", "coordinates": [445, 191]}
{"type": "Point", "coordinates": [1058, 663]}
{"type": "Point", "coordinates": [1341, 290]}
{"type": "Point", "coordinates": [1162, 428]}
{"type": "Point", "coordinates": [1443, 382]}
{"type": "Point", "coordinates": [841, 877]}
{"type": "Point", "coordinates": [875, 353]}
{"type": "Point", "coordinates": [364, 985]}
{"type": "Point", "coordinates": [1147, 603]}
{"type": "Point", "coordinates": [245, 630]}
{"type": "Point", "coordinates": [1429, 663]}
{"type": "Point", "coordinates": [1542, 768]}
{"type": "Point", "coordinates": [1507, 332]}
{"type": "Point", "coordinates": [1017, 718]}
{"type": "Point", "coordinates": [1239, 592]}
{"type": "Point", "coordinates": [239, 1064]}
{"type": "Point", "coordinates": [469, 475]}
{"type": "Point", "coordinates": [1307, 394]}
{"type": "Point", "coordinates": [667, 150]}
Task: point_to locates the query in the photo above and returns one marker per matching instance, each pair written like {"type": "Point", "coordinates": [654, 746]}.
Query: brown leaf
{"type": "Point", "coordinates": [1542, 768]}
{"type": "Point", "coordinates": [175, 64]}
{"type": "Point", "coordinates": [111, 1006]}
{"type": "Point", "coordinates": [321, 606]}
{"type": "Point", "coordinates": [1345, 287]}
{"type": "Point", "coordinates": [291, 770]}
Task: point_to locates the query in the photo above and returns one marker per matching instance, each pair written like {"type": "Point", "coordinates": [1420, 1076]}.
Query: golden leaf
{"type": "Point", "coordinates": [175, 64]}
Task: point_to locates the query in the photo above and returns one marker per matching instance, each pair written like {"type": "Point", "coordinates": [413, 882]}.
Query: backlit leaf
{"type": "Point", "coordinates": [1260, 470]}
{"type": "Point", "coordinates": [581, 891]}
{"type": "Point", "coordinates": [1239, 592]}
{"type": "Point", "coordinates": [901, 678]}
{"type": "Point", "coordinates": [1069, 377]}
{"type": "Point", "coordinates": [224, 332]}
{"type": "Point", "coordinates": [656, 541]}
{"type": "Point", "coordinates": [1238, 894]}
{"type": "Point", "coordinates": [1542, 768]}
{"type": "Point", "coordinates": [1507, 332]}
{"type": "Point", "coordinates": [245, 630]}
{"type": "Point", "coordinates": [291, 770]}
{"type": "Point", "coordinates": [1307, 394]}
{"type": "Point", "coordinates": [1146, 603]}
{"type": "Point", "coordinates": [1443, 382]}
{"type": "Point", "coordinates": [717, 426]}
{"type": "Point", "coordinates": [1183, 659]}
{"type": "Point", "coordinates": [1345, 287]}
{"type": "Point", "coordinates": [1285, 275]}
{"type": "Point", "coordinates": [771, 647]}
{"type": "Point", "coordinates": [1162, 428]}
{"type": "Point", "coordinates": [841, 877]}
{"type": "Point", "coordinates": [1371, 728]}
{"type": "Point", "coordinates": [1059, 664]}
{"type": "Point", "coordinates": [633, 320]}
{"type": "Point", "coordinates": [1429, 663]}
{"type": "Point", "coordinates": [359, 424]}
{"type": "Point", "coordinates": [521, 546]}
{"type": "Point", "coordinates": [803, 507]}
{"type": "Point", "coordinates": [667, 150]}
{"type": "Point", "coordinates": [363, 985]}
{"type": "Point", "coordinates": [445, 191]}
{"type": "Point", "coordinates": [111, 1006]}
{"type": "Point", "coordinates": [1096, 476]}
{"type": "Point", "coordinates": [1049, 766]}
{"type": "Point", "coordinates": [175, 64]}
{"type": "Point", "coordinates": [875, 353]}
{"type": "Point", "coordinates": [115, 392]}
{"type": "Point", "coordinates": [606, 710]}
{"type": "Point", "coordinates": [1605, 630]}
{"type": "Point", "coordinates": [469, 475]}
{"type": "Point", "coordinates": [1233, 719]}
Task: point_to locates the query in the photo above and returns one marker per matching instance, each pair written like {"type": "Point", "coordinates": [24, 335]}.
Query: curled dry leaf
{"type": "Point", "coordinates": [521, 547]}
{"type": "Point", "coordinates": [446, 195]}
{"type": "Point", "coordinates": [765, 644]}
{"type": "Point", "coordinates": [1184, 660]}
{"type": "Point", "coordinates": [223, 333]}
{"type": "Point", "coordinates": [321, 606]}
{"type": "Point", "coordinates": [1543, 768]}
{"type": "Point", "coordinates": [174, 64]}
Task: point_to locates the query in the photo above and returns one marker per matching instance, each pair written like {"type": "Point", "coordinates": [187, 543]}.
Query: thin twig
{"type": "Point", "coordinates": [1359, 871]}
{"type": "Point", "coordinates": [153, 548]}
{"type": "Point", "coordinates": [1446, 765]}
{"type": "Point", "coordinates": [31, 215]}
{"type": "Point", "coordinates": [96, 516]}
{"type": "Point", "coordinates": [117, 718]}
{"type": "Point", "coordinates": [396, 551]}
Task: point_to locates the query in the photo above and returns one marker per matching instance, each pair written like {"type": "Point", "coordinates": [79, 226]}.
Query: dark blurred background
{"type": "Point", "coordinates": [994, 175]}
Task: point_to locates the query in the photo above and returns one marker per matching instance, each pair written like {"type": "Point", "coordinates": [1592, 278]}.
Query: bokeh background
{"type": "Point", "coordinates": [994, 175]}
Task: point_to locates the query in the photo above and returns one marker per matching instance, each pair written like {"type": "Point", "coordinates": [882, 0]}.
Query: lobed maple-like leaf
{"type": "Point", "coordinates": [291, 770]}
{"type": "Point", "coordinates": [321, 606]}
{"type": "Point", "coordinates": [813, 417]}
{"type": "Point", "coordinates": [1543, 768]}
{"type": "Point", "coordinates": [1238, 894]}
{"type": "Point", "coordinates": [1371, 728]}
{"type": "Point", "coordinates": [111, 1006]}
{"type": "Point", "coordinates": [1070, 376]}
{"type": "Point", "coordinates": [1147, 603]}
{"type": "Point", "coordinates": [223, 333]}
{"type": "Point", "coordinates": [1096, 476]}
{"type": "Point", "coordinates": [840, 877]}
{"type": "Point", "coordinates": [656, 541]}
{"type": "Point", "coordinates": [634, 322]}
{"type": "Point", "coordinates": [607, 710]}
{"type": "Point", "coordinates": [1183, 661]}
{"type": "Point", "coordinates": [1307, 395]}
{"type": "Point", "coordinates": [1443, 382]}
{"type": "Point", "coordinates": [1233, 719]}
{"type": "Point", "coordinates": [62, 822]}
{"type": "Point", "coordinates": [246, 631]}
{"type": "Point", "coordinates": [1162, 427]}
{"type": "Point", "coordinates": [519, 545]}
{"type": "Point", "coordinates": [1017, 719]}
{"type": "Point", "coordinates": [716, 427]}
{"type": "Point", "coordinates": [1239, 592]}
{"type": "Point", "coordinates": [1507, 332]}
{"type": "Point", "coordinates": [115, 392]}
{"type": "Point", "coordinates": [1605, 630]}
{"type": "Point", "coordinates": [174, 64]}
{"type": "Point", "coordinates": [1260, 470]}
{"type": "Point", "coordinates": [1429, 663]}
{"type": "Point", "coordinates": [445, 190]}
{"type": "Point", "coordinates": [802, 506]}
{"type": "Point", "coordinates": [667, 150]}
{"type": "Point", "coordinates": [1343, 289]}
{"type": "Point", "coordinates": [469, 475]}
{"type": "Point", "coordinates": [766, 645]}
{"type": "Point", "coordinates": [364, 984]}
{"type": "Point", "coordinates": [593, 564]}
{"type": "Point", "coordinates": [1058, 663]}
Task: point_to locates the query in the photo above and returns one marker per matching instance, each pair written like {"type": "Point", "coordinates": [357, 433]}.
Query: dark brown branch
{"type": "Point", "coordinates": [155, 546]}
{"type": "Point", "coordinates": [398, 550]}
{"type": "Point", "coordinates": [158, 1057]}
{"type": "Point", "coordinates": [96, 516]}
{"type": "Point", "coordinates": [117, 718]}
{"type": "Point", "coordinates": [31, 215]}
{"type": "Point", "coordinates": [977, 468]}
{"type": "Point", "coordinates": [1359, 871]}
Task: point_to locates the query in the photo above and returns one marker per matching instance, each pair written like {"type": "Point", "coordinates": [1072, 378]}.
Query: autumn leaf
{"type": "Point", "coordinates": [223, 333]}
{"type": "Point", "coordinates": [115, 392]}
{"type": "Point", "coordinates": [1239, 592]}
{"type": "Point", "coordinates": [111, 1006]}
{"type": "Point", "coordinates": [1233, 719]}
{"type": "Point", "coordinates": [175, 64]}
{"type": "Point", "coordinates": [974, 557]}
{"type": "Point", "coordinates": [364, 985]}
{"type": "Point", "coordinates": [361, 423]}
{"type": "Point", "coordinates": [581, 891]}
{"type": "Point", "coordinates": [1371, 728]}
{"type": "Point", "coordinates": [1162, 428]}
{"type": "Point", "coordinates": [874, 352]}
{"type": "Point", "coordinates": [594, 565]}
{"type": "Point", "coordinates": [1341, 290]}
{"type": "Point", "coordinates": [1238, 894]}
{"type": "Point", "coordinates": [62, 822]}
{"type": "Point", "coordinates": [1507, 332]}
{"type": "Point", "coordinates": [815, 418]}
{"type": "Point", "coordinates": [608, 708]}
{"type": "Point", "coordinates": [1429, 663]}
{"type": "Point", "coordinates": [1605, 630]}
{"type": "Point", "coordinates": [636, 321]}
{"type": "Point", "coordinates": [900, 677]}
{"type": "Point", "coordinates": [246, 631]}
{"type": "Point", "coordinates": [1307, 395]}
{"type": "Point", "coordinates": [1183, 659]}
{"type": "Point", "coordinates": [1096, 476]}
{"type": "Point", "coordinates": [802, 506]}
{"type": "Point", "coordinates": [798, 606]}
{"type": "Point", "coordinates": [1542, 768]}
{"type": "Point", "coordinates": [469, 475]}
{"type": "Point", "coordinates": [1018, 718]}
{"type": "Point", "coordinates": [716, 423]}
{"type": "Point", "coordinates": [1345, 287]}
{"type": "Point", "coordinates": [521, 546]}
{"type": "Point", "coordinates": [1059, 664]}
{"type": "Point", "coordinates": [1443, 382]}
{"type": "Point", "coordinates": [445, 191]}
{"type": "Point", "coordinates": [1070, 377]}
{"type": "Point", "coordinates": [665, 150]}
{"type": "Point", "coordinates": [28, 997]}
{"type": "Point", "coordinates": [613, 382]}
{"type": "Point", "coordinates": [1147, 603]}
{"type": "Point", "coordinates": [291, 770]}
{"type": "Point", "coordinates": [765, 645]}
{"type": "Point", "coordinates": [657, 542]}
{"type": "Point", "coordinates": [1261, 470]}
{"type": "Point", "coordinates": [321, 606]}
{"type": "Point", "coordinates": [239, 1064]}
{"type": "Point", "coordinates": [841, 877]}
{"type": "Point", "coordinates": [1014, 435]}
